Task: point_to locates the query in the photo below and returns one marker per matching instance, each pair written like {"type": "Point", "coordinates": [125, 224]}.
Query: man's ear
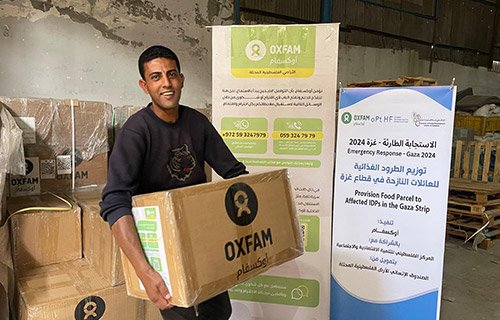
{"type": "Point", "coordinates": [143, 86]}
{"type": "Point", "coordinates": [182, 79]}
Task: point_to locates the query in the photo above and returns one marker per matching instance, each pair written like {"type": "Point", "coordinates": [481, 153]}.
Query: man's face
{"type": "Point", "coordinates": [163, 82]}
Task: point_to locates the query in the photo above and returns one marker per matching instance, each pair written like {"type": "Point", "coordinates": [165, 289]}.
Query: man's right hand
{"type": "Point", "coordinates": [125, 233]}
{"type": "Point", "coordinates": [155, 288]}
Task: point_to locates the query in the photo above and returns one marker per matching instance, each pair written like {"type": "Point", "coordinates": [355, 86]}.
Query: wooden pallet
{"type": "Point", "coordinates": [478, 192]}
{"type": "Point", "coordinates": [486, 243]}
{"type": "Point", "coordinates": [458, 204]}
{"type": "Point", "coordinates": [467, 228]}
{"type": "Point", "coordinates": [402, 81]}
{"type": "Point", "coordinates": [476, 161]}
{"type": "Point", "coordinates": [474, 211]}
{"type": "Point", "coordinates": [474, 221]}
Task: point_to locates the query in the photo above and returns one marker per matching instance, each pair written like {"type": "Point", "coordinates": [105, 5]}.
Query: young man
{"type": "Point", "coordinates": [161, 147]}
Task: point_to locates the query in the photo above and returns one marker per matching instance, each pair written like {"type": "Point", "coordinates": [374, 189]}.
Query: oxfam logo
{"type": "Point", "coordinates": [255, 50]}
{"type": "Point", "coordinates": [90, 308]}
{"type": "Point", "coordinates": [241, 203]}
{"type": "Point", "coordinates": [346, 117]}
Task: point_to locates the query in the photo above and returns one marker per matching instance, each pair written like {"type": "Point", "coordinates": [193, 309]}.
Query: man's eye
{"type": "Point", "coordinates": [173, 74]}
{"type": "Point", "coordinates": [155, 77]}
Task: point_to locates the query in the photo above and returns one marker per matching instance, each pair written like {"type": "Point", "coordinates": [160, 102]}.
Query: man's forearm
{"type": "Point", "coordinates": [125, 233]}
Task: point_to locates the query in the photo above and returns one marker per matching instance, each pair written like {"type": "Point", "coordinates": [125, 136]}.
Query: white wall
{"type": "Point", "coordinates": [88, 50]}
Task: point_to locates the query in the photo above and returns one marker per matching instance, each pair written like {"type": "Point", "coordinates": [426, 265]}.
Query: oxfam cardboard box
{"type": "Point", "coordinates": [205, 239]}
{"type": "Point", "coordinates": [73, 290]}
{"type": "Point", "coordinates": [63, 140]}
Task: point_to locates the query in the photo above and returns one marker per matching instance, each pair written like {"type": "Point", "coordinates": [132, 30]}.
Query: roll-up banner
{"type": "Point", "coordinates": [274, 93]}
{"type": "Point", "coordinates": [391, 190]}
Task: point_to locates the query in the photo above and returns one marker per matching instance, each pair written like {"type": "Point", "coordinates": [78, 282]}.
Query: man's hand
{"type": "Point", "coordinates": [155, 288]}
{"type": "Point", "coordinates": [125, 233]}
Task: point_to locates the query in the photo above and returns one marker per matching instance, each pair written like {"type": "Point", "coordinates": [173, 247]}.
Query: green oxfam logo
{"type": "Point", "coordinates": [255, 50]}
{"type": "Point", "coordinates": [346, 117]}
{"type": "Point", "coordinates": [273, 51]}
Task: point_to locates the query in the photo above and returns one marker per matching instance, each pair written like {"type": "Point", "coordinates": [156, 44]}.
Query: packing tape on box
{"type": "Point", "coordinates": [72, 105]}
{"type": "Point", "coordinates": [68, 204]}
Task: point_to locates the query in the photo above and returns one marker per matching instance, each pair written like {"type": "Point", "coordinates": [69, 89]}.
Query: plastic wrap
{"type": "Point", "coordinates": [11, 144]}
{"type": "Point", "coordinates": [209, 237]}
{"type": "Point", "coordinates": [54, 124]}
{"type": "Point", "coordinates": [11, 155]}
{"type": "Point", "coordinates": [68, 140]}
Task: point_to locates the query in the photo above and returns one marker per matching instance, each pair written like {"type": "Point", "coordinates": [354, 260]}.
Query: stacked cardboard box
{"type": "Point", "coordinates": [73, 290]}
{"type": "Point", "coordinates": [65, 143]}
{"type": "Point", "coordinates": [66, 262]}
{"type": "Point", "coordinates": [99, 245]}
{"type": "Point", "coordinates": [6, 275]}
{"type": "Point", "coordinates": [11, 161]}
{"type": "Point", "coordinates": [49, 232]}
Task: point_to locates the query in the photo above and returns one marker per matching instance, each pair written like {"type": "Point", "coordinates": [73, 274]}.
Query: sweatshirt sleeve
{"type": "Point", "coordinates": [218, 155]}
{"type": "Point", "coordinates": [124, 168]}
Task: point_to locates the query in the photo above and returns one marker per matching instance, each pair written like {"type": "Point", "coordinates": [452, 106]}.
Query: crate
{"type": "Point", "coordinates": [474, 212]}
{"type": "Point", "coordinates": [475, 161]}
{"type": "Point", "coordinates": [481, 125]}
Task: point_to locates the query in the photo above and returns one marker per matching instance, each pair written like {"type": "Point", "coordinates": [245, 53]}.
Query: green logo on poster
{"type": "Point", "coordinates": [273, 51]}
{"type": "Point", "coordinates": [346, 118]}
{"type": "Point", "coordinates": [255, 50]}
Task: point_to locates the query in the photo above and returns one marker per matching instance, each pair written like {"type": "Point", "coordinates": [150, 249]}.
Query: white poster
{"type": "Point", "coordinates": [391, 190]}
{"type": "Point", "coordinates": [274, 92]}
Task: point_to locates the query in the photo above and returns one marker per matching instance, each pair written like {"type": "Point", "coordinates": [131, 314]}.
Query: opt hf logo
{"type": "Point", "coordinates": [241, 204]}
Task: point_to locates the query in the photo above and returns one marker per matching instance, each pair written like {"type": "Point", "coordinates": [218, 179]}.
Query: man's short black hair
{"type": "Point", "coordinates": [157, 52]}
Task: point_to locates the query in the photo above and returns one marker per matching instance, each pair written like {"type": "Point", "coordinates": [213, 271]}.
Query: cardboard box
{"type": "Point", "coordinates": [48, 126]}
{"type": "Point", "coordinates": [151, 311]}
{"type": "Point", "coordinates": [6, 274]}
{"type": "Point", "coordinates": [204, 239]}
{"type": "Point", "coordinates": [41, 236]}
{"type": "Point", "coordinates": [99, 245]}
{"type": "Point", "coordinates": [3, 197]}
{"type": "Point", "coordinates": [6, 277]}
{"type": "Point", "coordinates": [73, 290]}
